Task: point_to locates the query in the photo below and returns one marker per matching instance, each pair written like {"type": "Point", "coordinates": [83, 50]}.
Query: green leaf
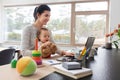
{"type": "Point", "coordinates": [116, 44]}
{"type": "Point", "coordinates": [118, 33]}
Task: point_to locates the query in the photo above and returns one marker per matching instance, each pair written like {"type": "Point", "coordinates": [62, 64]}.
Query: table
{"type": "Point", "coordinates": [8, 73]}
{"type": "Point", "coordinates": [105, 66]}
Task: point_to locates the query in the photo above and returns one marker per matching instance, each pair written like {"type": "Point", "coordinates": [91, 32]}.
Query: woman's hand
{"type": "Point", "coordinates": [67, 53]}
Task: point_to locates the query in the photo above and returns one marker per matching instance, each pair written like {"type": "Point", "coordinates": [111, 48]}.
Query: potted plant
{"type": "Point", "coordinates": [114, 37]}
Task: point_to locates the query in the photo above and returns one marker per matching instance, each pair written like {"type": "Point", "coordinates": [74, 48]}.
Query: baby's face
{"type": "Point", "coordinates": [44, 36]}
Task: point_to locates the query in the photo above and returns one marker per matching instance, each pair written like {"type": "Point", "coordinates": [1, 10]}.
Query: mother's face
{"type": "Point", "coordinates": [44, 17]}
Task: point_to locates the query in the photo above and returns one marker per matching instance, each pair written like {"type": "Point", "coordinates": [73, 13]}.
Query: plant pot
{"type": "Point", "coordinates": [108, 45]}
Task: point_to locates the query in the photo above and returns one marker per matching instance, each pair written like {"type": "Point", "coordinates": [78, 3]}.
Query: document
{"type": "Point", "coordinates": [51, 62]}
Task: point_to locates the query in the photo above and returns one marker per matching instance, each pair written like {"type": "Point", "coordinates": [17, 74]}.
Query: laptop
{"type": "Point", "coordinates": [89, 43]}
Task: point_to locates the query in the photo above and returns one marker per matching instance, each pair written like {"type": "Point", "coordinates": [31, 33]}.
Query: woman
{"type": "Point", "coordinates": [42, 16]}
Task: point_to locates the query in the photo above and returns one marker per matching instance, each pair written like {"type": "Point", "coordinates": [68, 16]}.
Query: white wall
{"type": "Point", "coordinates": [0, 11]}
{"type": "Point", "coordinates": [22, 2]}
{"type": "Point", "coordinates": [18, 2]}
{"type": "Point", "coordinates": [114, 13]}
{"type": "Point", "coordinates": [0, 16]}
{"type": "Point", "coordinates": [1, 21]}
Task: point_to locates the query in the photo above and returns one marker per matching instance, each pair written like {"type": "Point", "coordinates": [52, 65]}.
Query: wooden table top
{"type": "Point", "coordinates": [8, 73]}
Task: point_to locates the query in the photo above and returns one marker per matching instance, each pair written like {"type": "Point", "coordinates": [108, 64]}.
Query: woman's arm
{"type": "Point", "coordinates": [25, 42]}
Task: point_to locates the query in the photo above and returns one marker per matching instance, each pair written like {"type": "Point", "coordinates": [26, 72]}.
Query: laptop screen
{"type": "Point", "coordinates": [89, 44]}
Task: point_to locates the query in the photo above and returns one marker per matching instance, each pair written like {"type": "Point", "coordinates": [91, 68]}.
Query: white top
{"type": "Point", "coordinates": [28, 40]}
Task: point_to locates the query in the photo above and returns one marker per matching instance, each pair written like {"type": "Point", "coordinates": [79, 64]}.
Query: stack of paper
{"type": "Point", "coordinates": [78, 73]}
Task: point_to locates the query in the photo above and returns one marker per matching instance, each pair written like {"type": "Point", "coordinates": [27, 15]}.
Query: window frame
{"type": "Point", "coordinates": [73, 15]}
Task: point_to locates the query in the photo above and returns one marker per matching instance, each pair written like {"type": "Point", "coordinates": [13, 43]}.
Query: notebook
{"type": "Point", "coordinates": [78, 73]}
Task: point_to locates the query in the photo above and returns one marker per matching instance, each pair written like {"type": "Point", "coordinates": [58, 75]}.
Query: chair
{"type": "Point", "coordinates": [6, 56]}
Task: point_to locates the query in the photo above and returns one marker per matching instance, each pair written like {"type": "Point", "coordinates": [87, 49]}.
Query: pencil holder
{"type": "Point", "coordinates": [108, 45]}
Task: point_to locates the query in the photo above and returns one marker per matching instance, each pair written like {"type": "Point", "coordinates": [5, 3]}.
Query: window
{"type": "Point", "coordinates": [17, 19]}
{"type": "Point", "coordinates": [90, 25]}
{"type": "Point", "coordinates": [91, 20]}
{"type": "Point", "coordinates": [59, 23]}
{"type": "Point", "coordinates": [91, 6]}
{"type": "Point", "coordinates": [71, 23]}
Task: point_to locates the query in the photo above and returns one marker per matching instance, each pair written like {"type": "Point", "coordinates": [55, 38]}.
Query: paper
{"type": "Point", "coordinates": [51, 62]}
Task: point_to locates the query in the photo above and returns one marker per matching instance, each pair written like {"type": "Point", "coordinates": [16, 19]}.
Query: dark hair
{"type": "Point", "coordinates": [40, 9]}
{"type": "Point", "coordinates": [35, 13]}
{"type": "Point", "coordinates": [39, 32]}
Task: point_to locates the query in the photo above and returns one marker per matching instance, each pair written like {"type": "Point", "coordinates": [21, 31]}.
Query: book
{"type": "Point", "coordinates": [77, 73]}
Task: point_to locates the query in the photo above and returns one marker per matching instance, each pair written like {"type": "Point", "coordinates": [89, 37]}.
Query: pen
{"type": "Point", "coordinates": [82, 53]}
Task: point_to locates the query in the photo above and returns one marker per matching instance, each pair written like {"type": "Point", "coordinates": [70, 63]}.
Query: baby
{"type": "Point", "coordinates": [47, 48]}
